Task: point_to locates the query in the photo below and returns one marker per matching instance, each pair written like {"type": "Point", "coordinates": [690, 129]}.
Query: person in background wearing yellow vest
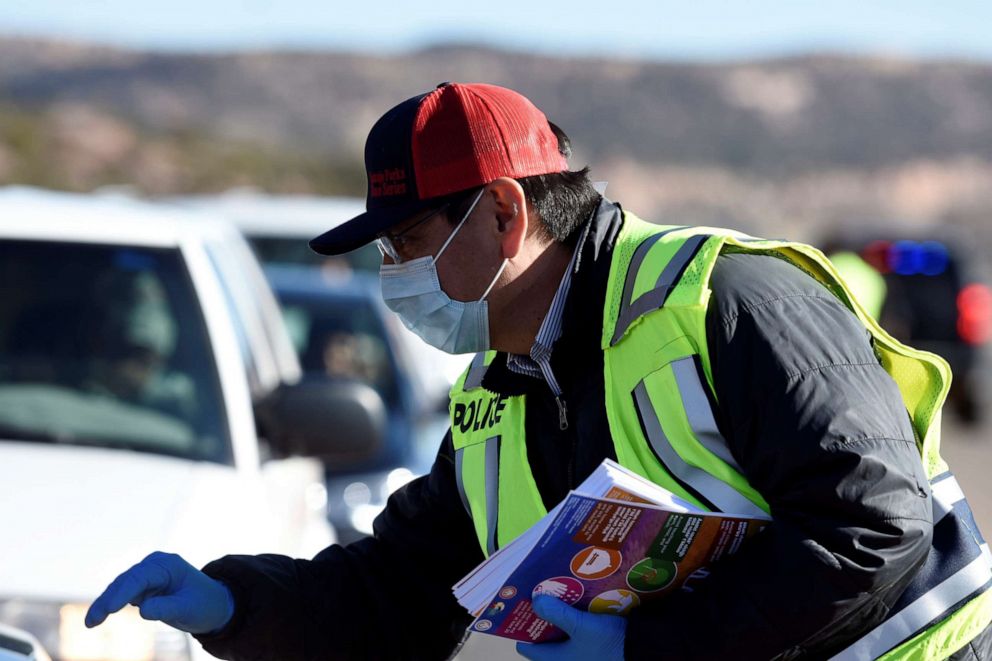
{"type": "Point", "coordinates": [739, 373]}
{"type": "Point", "coordinates": [862, 279]}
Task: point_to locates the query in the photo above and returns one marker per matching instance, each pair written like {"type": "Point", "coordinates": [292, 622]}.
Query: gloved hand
{"type": "Point", "coordinates": [591, 636]}
{"type": "Point", "coordinates": [165, 587]}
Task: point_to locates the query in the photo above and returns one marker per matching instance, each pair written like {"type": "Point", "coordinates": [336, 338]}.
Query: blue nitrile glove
{"type": "Point", "coordinates": [165, 587]}
{"type": "Point", "coordinates": [591, 636]}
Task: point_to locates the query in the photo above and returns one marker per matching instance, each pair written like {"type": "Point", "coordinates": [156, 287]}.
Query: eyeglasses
{"type": "Point", "coordinates": [390, 244]}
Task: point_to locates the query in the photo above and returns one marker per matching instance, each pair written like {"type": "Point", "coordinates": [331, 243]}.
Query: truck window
{"type": "Point", "coordinates": [106, 346]}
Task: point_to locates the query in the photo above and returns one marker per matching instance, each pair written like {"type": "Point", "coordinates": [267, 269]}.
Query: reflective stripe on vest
{"type": "Point", "coordinates": [654, 299]}
{"type": "Point", "coordinates": [476, 370]}
{"type": "Point", "coordinates": [946, 493]}
{"type": "Point", "coordinates": [492, 491]}
{"type": "Point", "coordinates": [700, 412]}
{"type": "Point", "coordinates": [492, 488]}
{"type": "Point", "coordinates": [460, 478]}
{"type": "Point", "coordinates": [717, 494]}
{"type": "Point", "coordinates": [958, 568]}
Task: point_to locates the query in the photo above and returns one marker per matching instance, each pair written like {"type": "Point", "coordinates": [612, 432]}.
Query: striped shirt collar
{"type": "Point", "coordinates": [538, 363]}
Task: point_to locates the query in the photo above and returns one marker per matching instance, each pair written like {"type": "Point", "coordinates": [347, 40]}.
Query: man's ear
{"type": "Point", "coordinates": [512, 221]}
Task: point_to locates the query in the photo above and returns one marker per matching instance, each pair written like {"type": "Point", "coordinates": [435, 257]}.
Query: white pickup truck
{"type": "Point", "coordinates": [148, 401]}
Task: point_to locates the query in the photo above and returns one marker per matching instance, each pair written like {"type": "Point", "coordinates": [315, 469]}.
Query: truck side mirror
{"type": "Point", "coordinates": [341, 422]}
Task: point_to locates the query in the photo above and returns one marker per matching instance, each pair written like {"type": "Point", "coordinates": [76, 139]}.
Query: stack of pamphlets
{"type": "Point", "coordinates": [616, 540]}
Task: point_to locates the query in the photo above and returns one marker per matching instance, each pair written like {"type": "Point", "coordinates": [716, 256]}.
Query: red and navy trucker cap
{"type": "Point", "coordinates": [456, 137]}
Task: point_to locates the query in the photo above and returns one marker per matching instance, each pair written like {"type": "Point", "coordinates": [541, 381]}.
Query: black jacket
{"type": "Point", "coordinates": [816, 424]}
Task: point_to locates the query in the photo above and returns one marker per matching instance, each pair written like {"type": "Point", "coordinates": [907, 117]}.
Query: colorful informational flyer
{"type": "Point", "coordinates": [607, 556]}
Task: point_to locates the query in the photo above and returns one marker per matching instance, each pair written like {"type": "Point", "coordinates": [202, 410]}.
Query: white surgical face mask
{"type": "Point", "coordinates": [413, 291]}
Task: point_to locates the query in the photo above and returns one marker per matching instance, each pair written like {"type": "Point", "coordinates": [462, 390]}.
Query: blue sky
{"type": "Point", "coordinates": [691, 29]}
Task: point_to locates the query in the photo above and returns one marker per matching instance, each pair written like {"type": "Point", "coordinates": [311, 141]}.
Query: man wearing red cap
{"type": "Point", "coordinates": [739, 373]}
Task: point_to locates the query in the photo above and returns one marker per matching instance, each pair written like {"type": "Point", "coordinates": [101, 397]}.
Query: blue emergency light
{"type": "Point", "coordinates": [930, 258]}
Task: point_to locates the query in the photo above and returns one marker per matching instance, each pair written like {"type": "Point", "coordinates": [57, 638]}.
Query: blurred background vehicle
{"type": "Point", "coordinates": [279, 226]}
{"type": "Point", "coordinates": [930, 292]}
{"type": "Point", "coordinates": [149, 400]}
{"type": "Point", "coordinates": [341, 327]}
{"type": "Point", "coordinates": [19, 645]}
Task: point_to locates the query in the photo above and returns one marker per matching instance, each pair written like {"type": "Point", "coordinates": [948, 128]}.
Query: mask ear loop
{"type": "Point", "coordinates": [495, 278]}
{"type": "Point", "coordinates": [459, 225]}
{"type": "Point", "coordinates": [492, 284]}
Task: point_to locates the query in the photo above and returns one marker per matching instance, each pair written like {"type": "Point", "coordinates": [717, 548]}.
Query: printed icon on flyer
{"type": "Point", "coordinates": [565, 588]}
{"type": "Point", "coordinates": [496, 609]}
{"type": "Point", "coordinates": [483, 625]}
{"type": "Point", "coordinates": [593, 562]}
{"type": "Point", "coordinates": [508, 592]}
{"type": "Point", "coordinates": [651, 575]}
{"type": "Point", "coordinates": [614, 602]}
{"type": "Point", "coordinates": [698, 576]}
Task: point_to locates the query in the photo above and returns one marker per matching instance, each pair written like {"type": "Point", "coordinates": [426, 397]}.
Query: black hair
{"type": "Point", "coordinates": [563, 200]}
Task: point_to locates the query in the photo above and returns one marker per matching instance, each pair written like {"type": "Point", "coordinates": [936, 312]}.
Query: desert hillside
{"type": "Point", "coordinates": [790, 146]}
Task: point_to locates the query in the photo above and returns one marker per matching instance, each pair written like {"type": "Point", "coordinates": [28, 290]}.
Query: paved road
{"type": "Point", "coordinates": [488, 648]}
{"type": "Point", "coordinates": [968, 450]}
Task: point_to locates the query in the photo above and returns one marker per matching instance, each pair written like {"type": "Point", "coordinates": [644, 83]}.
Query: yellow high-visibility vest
{"type": "Point", "coordinates": [658, 386]}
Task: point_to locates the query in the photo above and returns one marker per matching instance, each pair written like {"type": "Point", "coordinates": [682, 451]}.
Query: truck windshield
{"type": "Point", "coordinates": [106, 346]}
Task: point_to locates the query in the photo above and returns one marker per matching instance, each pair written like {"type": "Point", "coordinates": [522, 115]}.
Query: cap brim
{"type": "Point", "coordinates": [362, 229]}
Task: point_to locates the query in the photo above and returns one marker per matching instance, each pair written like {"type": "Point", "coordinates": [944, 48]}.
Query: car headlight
{"type": "Point", "coordinates": [362, 516]}
{"type": "Point", "coordinates": [363, 504]}
{"type": "Point", "coordinates": [123, 637]}
{"type": "Point", "coordinates": [397, 478]}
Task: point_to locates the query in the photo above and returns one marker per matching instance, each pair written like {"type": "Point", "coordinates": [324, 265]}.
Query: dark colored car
{"type": "Point", "coordinates": [934, 299]}
{"type": "Point", "coordinates": [342, 330]}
